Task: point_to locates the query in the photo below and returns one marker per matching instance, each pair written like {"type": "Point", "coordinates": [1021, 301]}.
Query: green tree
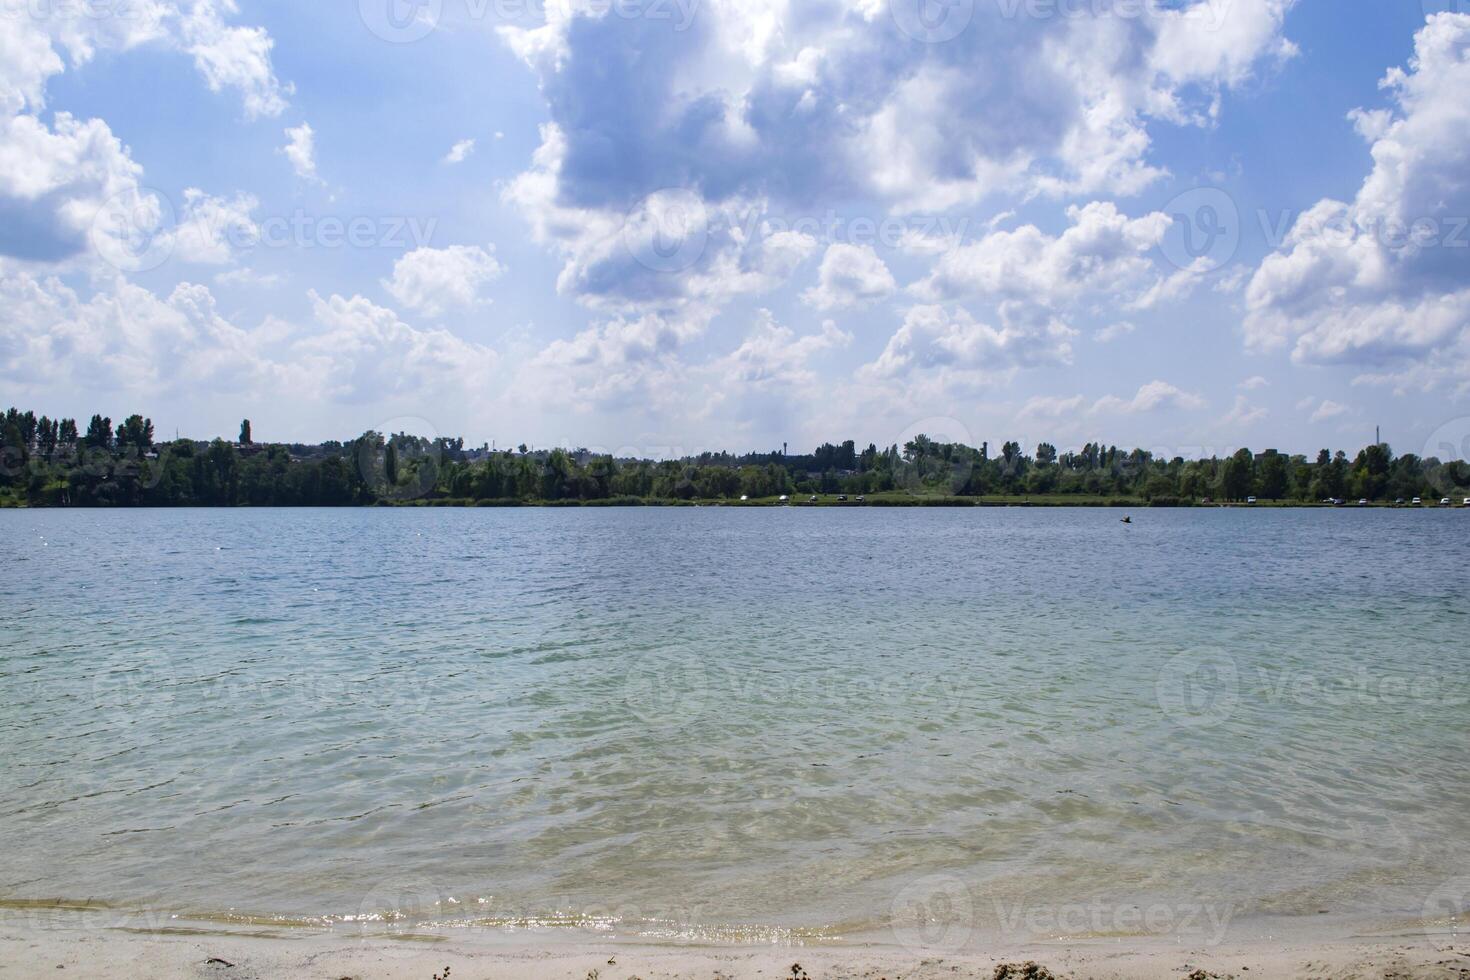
{"type": "Point", "coordinates": [1273, 475]}
{"type": "Point", "coordinates": [245, 433]}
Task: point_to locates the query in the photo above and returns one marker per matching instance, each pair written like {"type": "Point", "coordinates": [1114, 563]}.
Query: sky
{"type": "Point", "coordinates": [656, 227]}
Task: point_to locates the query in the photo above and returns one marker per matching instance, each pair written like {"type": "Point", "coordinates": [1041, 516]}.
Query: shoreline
{"type": "Point", "coordinates": [882, 502]}
{"type": "Point", "coordinates": [177, 953]}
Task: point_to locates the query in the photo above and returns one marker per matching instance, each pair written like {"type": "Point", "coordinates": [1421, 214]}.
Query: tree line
{"type": "Point", "coordinates": [47, 462]}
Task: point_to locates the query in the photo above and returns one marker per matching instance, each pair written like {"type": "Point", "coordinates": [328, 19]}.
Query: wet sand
{"type": "Point", "coordinates": [26, 951]}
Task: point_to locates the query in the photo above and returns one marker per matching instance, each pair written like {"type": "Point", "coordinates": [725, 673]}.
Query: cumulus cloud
{"type": "Point", "coordinates": [212, 229]}
{"type": "Point", "coordinates": [124, 338]}
{"type": "Point", "coordinates": [1328, 410]}
{"type": "Point", "coordinates": [1151, 397]}
{"type": "Point", "coordinates": [672, 254]}
{"type": "Point", "coordinates": [1381, 280]}
{"type": "Point", "coordinates": [954, 346]}
{"type": "Point", "coordinates": [1252, 383]}
{"type": "Point", "coordinates": [433, 280]}
{"type": "Point", "coordinates": [1243, 413]}
{"type": "Point", "coordinates": [787, 100]}
{"type": "Point", "coordinates": [65, 183]}
{"type": "Point", "coordinates": [850, 275]}
{"type": "Point", "coordinates": [1114, 331]}
{"type": "Point", "coordinates": [792, 107]}
{"type": "Point", "coordinates": [367, 353]}
{"type": "Point", "coordinates": [774, 356]}
{"type": "Point", "coordinates": [460, 152]}
{"type": "Point", "coordinates": [300, 149]}
{"type": "Point", "coordinates": [234, 57]}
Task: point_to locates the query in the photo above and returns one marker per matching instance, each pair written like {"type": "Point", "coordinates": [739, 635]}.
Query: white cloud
{"type": "Point", "coordinates": [367, 354]}
{"type": "Point", "coordinates": [300, 149]}
{"type": "Point", "coordinates": [1253, 383]}
{"type": "Point", "coordinates": [212, 229]}
{"type": "Point", "coordinates": [433, 280]}
{"type": "Point", "coordinates": [234, 57]}
{"type": "Point", "coordinates": [672, 254]}
{"type": "Point", "coordinates": [249, 278]}
{"type": "Point", "coordinates": [850, 275]}
{"type": "Point", "coordinates": [1150, 398]}
{"type": "Point", "coordinates": [1048, 407]}
{"type": "Point", "coordinates": [460, 152]}
{"type": "Point", "coordinates": [1244, 413]}
{"type": "Point", "coordinates": [1328, 410]}
{"type": "Point", "coordinates": [783, 106]}
{"type": "Point", "coordinates": [773, 355]}
{"type": "Point", "coordinates": [1114, 331]}
{"type": "Point", "coordinates": [1382, 280]}
{"type": "Point", "coordinates": [956, 347]}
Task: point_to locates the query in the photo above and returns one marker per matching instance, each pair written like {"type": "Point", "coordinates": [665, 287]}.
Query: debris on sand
{"type": "Point", "coordinates": [1023, 971]}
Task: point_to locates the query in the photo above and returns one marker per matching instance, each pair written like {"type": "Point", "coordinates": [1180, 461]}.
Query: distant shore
{"type": "Point", "coordinates": [890, 500]}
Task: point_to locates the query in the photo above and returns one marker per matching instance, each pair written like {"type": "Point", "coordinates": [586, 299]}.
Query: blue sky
{"type": "Point", "coordinates": [671, 225]}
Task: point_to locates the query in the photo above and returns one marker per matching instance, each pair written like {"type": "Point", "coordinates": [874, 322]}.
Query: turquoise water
{"type": "Point", "coordinates": [735, 724]}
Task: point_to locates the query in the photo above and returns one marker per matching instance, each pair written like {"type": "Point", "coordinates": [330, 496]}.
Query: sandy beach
{"type": "Point", "coordinates": [26, 951]}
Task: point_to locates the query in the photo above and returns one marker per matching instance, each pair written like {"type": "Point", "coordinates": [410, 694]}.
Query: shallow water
{"type": "Point", "coordinates": [737, 724]}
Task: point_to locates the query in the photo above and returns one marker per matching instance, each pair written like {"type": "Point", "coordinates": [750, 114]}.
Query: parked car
{"type": "Point", "coordinates": [1445, 502]}
{"type": "Point", "coordinates": [1363, 502]}
{"type": "Point", "coordinates": [842, 497]}
{"type": "Point", "coordinates": [1417, 501]}
{"type": "Point", "coordinates": [863, 500]}
{"type": "Point", "coordinates": [1250, 500]}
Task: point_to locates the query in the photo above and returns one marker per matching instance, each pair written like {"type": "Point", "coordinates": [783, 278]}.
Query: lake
{"type": "Point", "coordinates": [743, 724]}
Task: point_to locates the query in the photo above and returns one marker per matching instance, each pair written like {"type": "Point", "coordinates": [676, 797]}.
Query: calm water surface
{"type": "Point", "coordinates": [732, 723]}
